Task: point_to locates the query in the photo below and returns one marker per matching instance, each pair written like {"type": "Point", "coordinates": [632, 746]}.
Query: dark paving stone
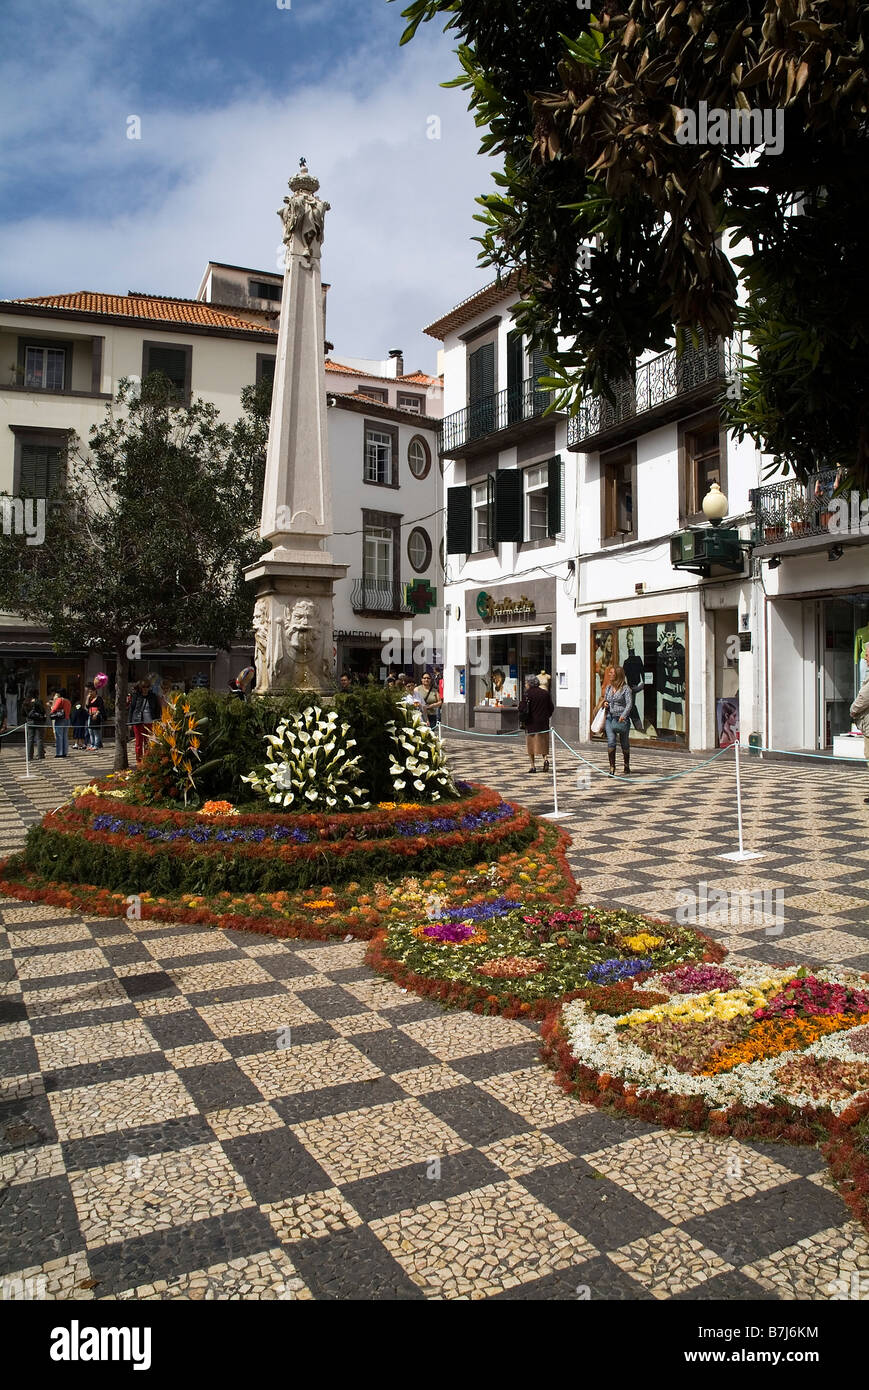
{"type": "Point", "coordinates": [88, 1018]}
{"type": "Point", "coordinates": [111, 926]}
{"type": "Point", "coordinates": [745, 1231]}
{"type": "Point", "coordinates": [502, 1059]}
{"type": "Point", "coordinates": [275, 1165]}
{"type": "Point", "coordinates": [97, 1150]}
{"type": "Point", "coordinates": [350, 975]}
{"type": "Point", "coordinates": [18, 1057]}
{"type": "Point", "coordinates": [130, 953]}
{"type": "Point", "coordinates": [300, 1034]}
{"type": "Point", "coordinates": [393, 1051]}
{"type": "Point", "coordinates": [181, 961]}
{"type": "Point", "coordinates": [588, 1133]}
{"type": "Point", "coordinates": [181, 1250]}
{"type": "Point", "coordinates": [12, 1011]}
{"type": "Point", "coordinates": [38, 926]}
{"type": "Point", "coordinates": [52, 948]}
{"type": "Point", "coordinates": [475, 1115]}
{"type": "Point", "coordinates": [732, 1287]}
{"type": "Point", "coordinates": [592, 1281]}
{"type": "Point", "coordinates": [241, 938]}
{"type": "Point", "coordinates": [800, 1158]}
{"type": "Point", "coordinates": [351, 1265]}
{"type": "Point", "coordinates": [26, 1123]}
{"type": "Point", "coordinates": [416, 1011]}
{"type": "Point", "coordinates": [112, 1069]}
{"type": "Point", "coordinates": [149, 985]}
{"type": "Point", "coordinates": [334, 1100]}
{"type": "Point", "coordinates": [74, 980]}
{"type": "Point", "coordinates": [284, 967]}
{"type": "Point", "coordinates": [180, 1029]}
{"type": "Point", "coordinates": [219, 1086]}
{"type": "Point", "coordinates": [333, 1002]}
{"type": "Point", "coordinates": [39, 1223]}
{"type": "Point", "coordinates": [598, 1209]}
{"type": "Point", "coordinates": [233, 994]}
{"type": "Point", "coordinates": [412, 1187]}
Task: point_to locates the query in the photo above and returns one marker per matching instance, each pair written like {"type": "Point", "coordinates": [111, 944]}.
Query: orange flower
{"type": "Point", "coordinates": [770, 1036]}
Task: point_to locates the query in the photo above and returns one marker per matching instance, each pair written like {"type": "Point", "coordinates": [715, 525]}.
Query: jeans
{"type": "Point", "coordinates": [61, 737]}
{"type": "Point", "coordinates": [95, 735]}
{"type": "Point", "coordinates": [613, 733]}
{"type": "Point", "coordinates": [34, 736]}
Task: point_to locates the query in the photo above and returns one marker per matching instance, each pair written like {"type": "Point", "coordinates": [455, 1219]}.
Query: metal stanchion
{"type": "Point", "coordinates": [554, 814]}
{"type": "Point", "coordinates": [741, 854]}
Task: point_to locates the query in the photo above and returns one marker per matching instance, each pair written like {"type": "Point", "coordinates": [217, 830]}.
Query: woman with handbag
{"type": "Point", "coordinates": [618, 702]}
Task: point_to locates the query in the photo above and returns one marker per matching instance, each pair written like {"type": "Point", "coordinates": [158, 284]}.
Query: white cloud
{"type": "Point", "coordinates": [204, 185]}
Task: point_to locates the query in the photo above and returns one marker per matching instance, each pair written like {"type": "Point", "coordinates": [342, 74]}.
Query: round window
{"type": "Point", "coordinates": [418, 457]}
{"type": "Point", "coordinates": [419, 549]}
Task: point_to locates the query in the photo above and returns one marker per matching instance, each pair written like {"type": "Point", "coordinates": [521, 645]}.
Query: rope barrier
{"type": "Point", "coordinates": [472, 733]}
{"type": "Point", "coordinates": [646, 781]}
{"type": "Point", "coordinates": [796, 753]}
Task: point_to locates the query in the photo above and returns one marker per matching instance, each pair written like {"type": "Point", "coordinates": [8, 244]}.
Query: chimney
{"type": "Point", "coordinates": [398, 355]}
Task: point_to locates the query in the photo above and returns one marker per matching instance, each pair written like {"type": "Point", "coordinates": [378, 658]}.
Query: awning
{"type": "Point", "coordinates": [505, 627]}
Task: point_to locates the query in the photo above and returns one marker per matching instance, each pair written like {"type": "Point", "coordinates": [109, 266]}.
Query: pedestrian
{"type": "Point", "coordinates": [619, 702]}
{"type": "Point", "coordinates": [145, 710]}
{"type": "Point", "coordinates": [96, 713]}
{"type": "Point", "coordinates": [427, 695]}
{"type": "Point", "coordinates": [860, 715]}
{"type": "Point", "coordinates": [79, 725]}
{"type": "Point", "coordinates": [535, 711]}
{"type": "Point", "coordinates": [60, 711]}
{"type": "Point", "coordinates": [34, 720]}
{"type": "Point", "coordinates": [344, 683]}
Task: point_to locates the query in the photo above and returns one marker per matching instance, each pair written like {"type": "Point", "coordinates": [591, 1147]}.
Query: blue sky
{"type": "Point", "coordinates": [229, 93]}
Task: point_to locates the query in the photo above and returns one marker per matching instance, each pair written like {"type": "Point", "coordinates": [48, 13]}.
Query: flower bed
{"type": "Point", "coordinates": [763, 1053]}
{"type": "Point", "coordinates": [108, 843]}
{"type": "Point", "coordinates": [524, 960]}
{"type": "Point", "coordinates": [354, 908]}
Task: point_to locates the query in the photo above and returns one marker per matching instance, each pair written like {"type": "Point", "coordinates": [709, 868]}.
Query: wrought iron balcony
{"type": "Point", "coordinates": [511, 410]}
{"type": "Point", "coordinates": [791, 514]}
{"type": "Point", "coordinates": [659, 390]}
{"type": "Point", "coordinates": [379, 596]}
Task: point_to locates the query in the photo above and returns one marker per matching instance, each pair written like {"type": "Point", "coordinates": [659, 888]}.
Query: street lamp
{"type": "Point", "coordinates": [715, 505]}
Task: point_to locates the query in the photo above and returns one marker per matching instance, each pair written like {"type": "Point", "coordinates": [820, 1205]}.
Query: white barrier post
{"type": "Point", "coordinates": [737, 856]}
{"type": "Point", "coordinates": [26, 756]}
{"type": "Point", "coordinates": [554, 814]}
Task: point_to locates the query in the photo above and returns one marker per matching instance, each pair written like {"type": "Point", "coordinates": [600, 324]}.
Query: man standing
{"type": "Point", "coordinates": [634, 670]}
{"type": "Point", "coordinates": [860, 715]}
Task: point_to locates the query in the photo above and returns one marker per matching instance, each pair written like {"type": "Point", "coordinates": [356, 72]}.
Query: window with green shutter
{"type": "Point", "coordinates": [507, 523]}
{"type": "Point", "coordinates": [171, 362]}
{"type": "Point", "coordinates": [555, 497]}
{"type": "Point", "coordinates": [42, 470]}
{"type": "Point", "coordinates": [458, 521]}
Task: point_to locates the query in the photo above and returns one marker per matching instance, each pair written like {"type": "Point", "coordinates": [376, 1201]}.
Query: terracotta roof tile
{"type": "Point", "coordinates": [475, 304]}
{"type": "Point", "coordinates": [140, 306]}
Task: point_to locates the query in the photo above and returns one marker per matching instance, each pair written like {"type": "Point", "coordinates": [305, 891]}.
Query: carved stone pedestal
{"type": "Point", "coordinates": [293, 625]}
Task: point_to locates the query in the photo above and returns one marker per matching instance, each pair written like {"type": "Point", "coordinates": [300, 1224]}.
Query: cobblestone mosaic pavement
{"type": "Point", "coordinates": [201, 1114]}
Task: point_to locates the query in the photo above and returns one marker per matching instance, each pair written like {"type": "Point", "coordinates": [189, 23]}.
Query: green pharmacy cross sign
{"type": "Point", "coordinates": [421, 596]}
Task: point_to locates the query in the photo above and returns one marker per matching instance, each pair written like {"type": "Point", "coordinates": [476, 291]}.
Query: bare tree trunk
{"type": "Point", "coordinates": [122, 675]}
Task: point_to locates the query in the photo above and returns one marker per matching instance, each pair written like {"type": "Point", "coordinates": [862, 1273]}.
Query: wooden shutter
{"type": "Point", "coordinates": [40, 469]}
{"type": "Point", "coordinates": [458, 521]}
{"type": "Point", "coordinates": [536, 367]}
{"type": "Point", "coordinates": [508, 500]}
{"type": "Point", "coordinates": [481, 372]}
{"type": "Point", "coordinates": [172, 362]}
{"type": "Point", "coordinates": [554, 500]}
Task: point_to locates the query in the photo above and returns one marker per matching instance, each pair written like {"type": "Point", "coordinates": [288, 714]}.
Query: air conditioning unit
{"type": "Point", "coordinates": [696, 551]}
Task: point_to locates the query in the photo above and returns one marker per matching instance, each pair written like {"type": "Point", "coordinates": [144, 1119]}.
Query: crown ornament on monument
{"type": "Point", "coordinates": [303, 182]}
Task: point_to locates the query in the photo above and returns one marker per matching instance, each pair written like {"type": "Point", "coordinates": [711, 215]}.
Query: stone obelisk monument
{"type": "Point", "coordinates": [295, 579]}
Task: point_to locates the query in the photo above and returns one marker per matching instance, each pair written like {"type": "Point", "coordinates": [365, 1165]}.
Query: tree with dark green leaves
{"type": "Point", "coordinates": [620, 228]}
{"type": "Point", "coordinates": [147, 538]}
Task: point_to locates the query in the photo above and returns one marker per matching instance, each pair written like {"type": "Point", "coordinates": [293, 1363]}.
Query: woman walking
{"type": "Point", "coordinates": [145, 709]}
{"type": "Point", "coordinates": [426, 693]}
{"type": "Point", "coordinates": [96, 712]}
{"type": "Point", "coordinates": [860, 715]}
{"type": "Point", "coordinates": [619, 702]}
{"type": "Point", "coordinates": [60, 711]}
{"type": "Point", "coordinates": [535, 711]}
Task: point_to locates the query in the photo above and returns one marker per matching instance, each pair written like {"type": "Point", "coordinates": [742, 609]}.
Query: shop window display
{"type": "Point", "coordinates": [654, 656]}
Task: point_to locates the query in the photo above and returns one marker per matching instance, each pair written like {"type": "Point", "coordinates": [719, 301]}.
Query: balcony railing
{"type": "Point", "coordinates": [493, 413]}
{"type": "Point", "coordinates": [662, 380]}
{"type": "Point", "coordinates": [790, 509]}
{"type": "Point", "coordinates": [378, 596]}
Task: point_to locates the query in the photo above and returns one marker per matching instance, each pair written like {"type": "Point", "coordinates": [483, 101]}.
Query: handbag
{"type": "Point", "coordinates": [599, 720]}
